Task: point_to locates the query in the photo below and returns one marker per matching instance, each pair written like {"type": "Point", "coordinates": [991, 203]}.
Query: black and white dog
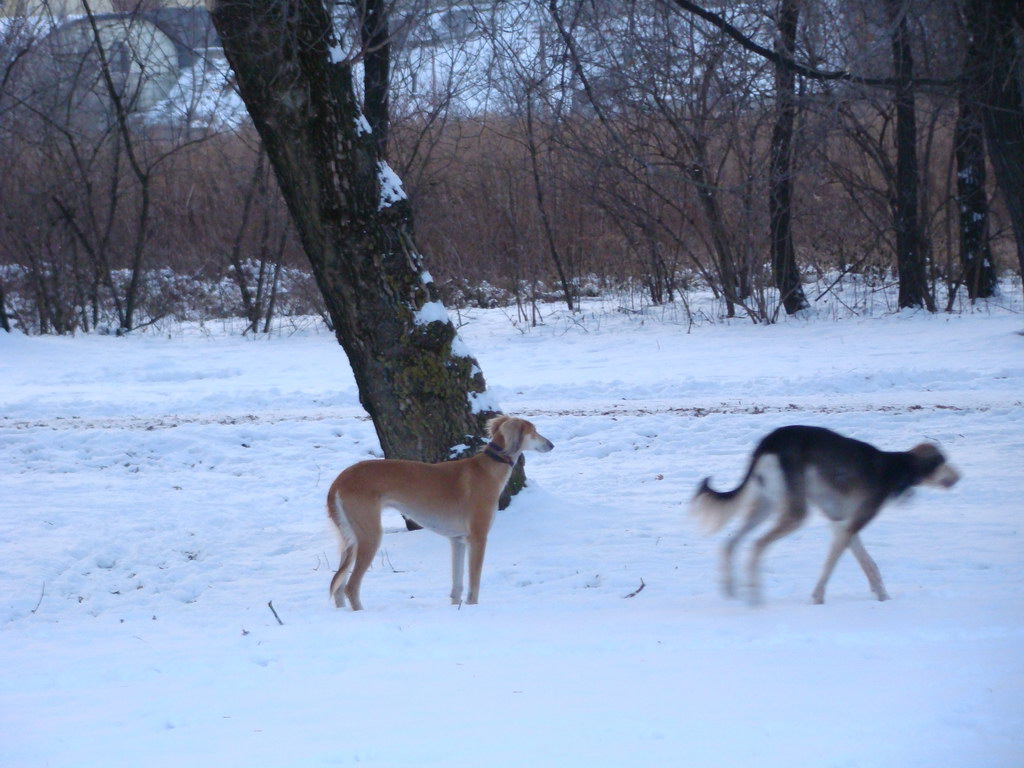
{"type": "Point", "coordinates": [796, 467]}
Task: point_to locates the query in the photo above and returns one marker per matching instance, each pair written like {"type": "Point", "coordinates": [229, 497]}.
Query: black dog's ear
{"type": "Point", "coordinates": [927, 458]}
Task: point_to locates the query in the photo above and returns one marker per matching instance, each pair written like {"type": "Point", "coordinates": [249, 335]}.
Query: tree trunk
{"type": "Point", "coordinates": [424, 392]}
{"type": "Point", "coordinates": [913, 291]}
{"type": "Point", "coordinates": [731, 290]}
{"type": "Point", "coordinates": [993, 76]}
{"type": "Point", "coordinates": [376, 40]}
{"type": "Point", "coordinates": [5, 323]}
{"type": "Point", "coordinates": [780, 193]}
{"type": "Point", "coordinates": [538, 190]}
{"type": "Point", "coordinates": [979, 274]}
{"type": "Point", "coordinates": [142, 175]}
{"type": "Point", "coordinates": [250, 307]}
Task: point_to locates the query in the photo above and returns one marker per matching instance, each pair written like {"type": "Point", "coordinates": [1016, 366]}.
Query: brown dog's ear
{"type": "Point", "coordinates": [493, 425]}
{"type": "Point", "coordinates": [511, 431]}
{"type": "Point", "coordinates": [506, 433]}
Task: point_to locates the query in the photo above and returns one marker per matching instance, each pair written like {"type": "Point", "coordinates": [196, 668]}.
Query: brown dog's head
{"type": "Point", "coordinates": [513, 436]}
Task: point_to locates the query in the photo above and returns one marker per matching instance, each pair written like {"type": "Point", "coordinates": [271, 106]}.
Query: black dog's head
{"type": "Point", "coordinates": [932, 468]}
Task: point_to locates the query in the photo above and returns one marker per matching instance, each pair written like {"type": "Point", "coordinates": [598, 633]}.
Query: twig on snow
{"type": "Point", "coordinates": [39, 602]}
{"type": "Point", "coordinates": [270, 605]}
{"type": "Point", "coordinates": [635, 592]}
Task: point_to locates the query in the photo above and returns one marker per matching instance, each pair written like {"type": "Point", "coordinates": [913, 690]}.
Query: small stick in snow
{"type": "Point", "coordinates": [635, 592]}
{"type": "Point", "coordinates": [42, 593]}
{"type": "Point", "coordinates": [270, 605]}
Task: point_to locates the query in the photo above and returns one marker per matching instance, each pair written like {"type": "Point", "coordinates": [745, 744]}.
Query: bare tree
{"type": "Point", "coordinates": [913, 289]}
{"type": "Point", "coordinates": [680, 119]}
{"type": "Point", "coordinates": [993, 74]}
{"type": "Point", "coordinates": [522, 73]}
{"type": "Point", "coordinates": [976, 259]}
{"type": "Point", "coordinates": [422, 388]}
{"type": "Point", "coordinates": [780, 193]}
{"type": "Point", "coordinates": [89, 166]}
{"type": "Point", "coordinates": [13, 45]}
{"type": "Point", "coordinates": [258, 275]}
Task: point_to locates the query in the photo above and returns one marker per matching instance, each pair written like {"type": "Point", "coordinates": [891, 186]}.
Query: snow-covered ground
{"type": "Point", "coordinates": [159, 490]}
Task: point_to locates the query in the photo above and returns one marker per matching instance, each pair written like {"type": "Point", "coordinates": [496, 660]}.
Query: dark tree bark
{"type": "Point", "coordinates": [424, 392]}
{"type": "Point", "coordinates": [780, 193]}
{"type": "Point", "coordinates": [979, 274]}
{"type": "Point", "coordinates": [376, 40]}
{"type": "Point", "coordinates": [5, 323]}
{"type": "Point", "coordinates": [732, 291]}
{"type": "Point", "coordinates": [251, 307]}
{"type": "Point", "coordinates": [993, 75]}
{"type": "Point", "coordinates": [913, 290]}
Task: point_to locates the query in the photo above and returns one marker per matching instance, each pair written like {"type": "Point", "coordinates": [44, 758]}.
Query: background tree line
{"type": "Point", "coordinates": [549, 149]}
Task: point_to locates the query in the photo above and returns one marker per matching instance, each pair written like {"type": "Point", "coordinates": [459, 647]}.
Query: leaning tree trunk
{"type": "Point", "coordinates": [913, 291]}
{"type": "Point", "coordinates": [422, 388]}
{"type": "Point", "coordinates": [780, 193]}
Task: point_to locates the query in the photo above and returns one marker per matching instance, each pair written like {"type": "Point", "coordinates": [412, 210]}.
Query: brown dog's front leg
{"type": "Point", "coordinates": [477, 545]}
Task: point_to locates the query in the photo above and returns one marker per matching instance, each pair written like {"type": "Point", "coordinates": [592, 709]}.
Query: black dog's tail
{"type": "Point", "coordinates": [716, 508]}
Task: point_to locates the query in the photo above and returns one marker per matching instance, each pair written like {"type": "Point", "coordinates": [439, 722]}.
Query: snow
{"type": "Point", "coordinates": [431, 312]}
{"type": "Point", "coordinates": [160, 489]}
{"type": "Point", "coordinates": [483, 402]}
{"type": "Point", "coordinates": [391, 190]}
{"type": "Point", "coordinates": [461, 349]}
{"type": "Point", "coordinates": [203, 98]}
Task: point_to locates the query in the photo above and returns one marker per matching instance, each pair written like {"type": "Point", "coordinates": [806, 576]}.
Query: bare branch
{"type": "Point", "coordinates": [802, 69]}
{"type": "Point", "coordinates": [636, 591]}
{"type": "Point", "coordinates": [270, 605]}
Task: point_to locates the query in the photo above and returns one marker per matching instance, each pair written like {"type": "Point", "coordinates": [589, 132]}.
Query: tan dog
{"type": "Point", "coordinates": [456, 499]}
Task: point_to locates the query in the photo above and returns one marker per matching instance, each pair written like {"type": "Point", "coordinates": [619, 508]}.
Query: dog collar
{"type": "Point", "coordinates": [494, 452]}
